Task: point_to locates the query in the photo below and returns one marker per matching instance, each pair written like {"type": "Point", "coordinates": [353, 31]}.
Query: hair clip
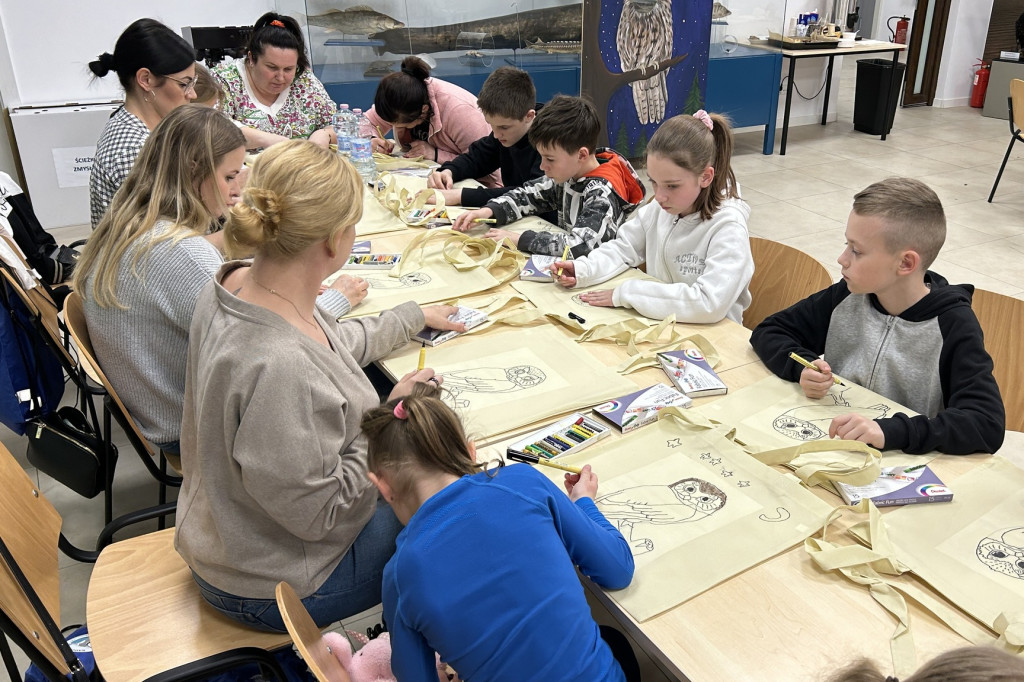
{"type": "Point", "coordinates": [400, 411]}
{"type": "Point", "coordinates": [278, 23]}
{"type": "Point", "coordinates": [705, 118]}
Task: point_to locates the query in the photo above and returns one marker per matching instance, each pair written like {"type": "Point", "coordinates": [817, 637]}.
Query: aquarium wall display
{"type": "Point", "coordinates": [353, 45]}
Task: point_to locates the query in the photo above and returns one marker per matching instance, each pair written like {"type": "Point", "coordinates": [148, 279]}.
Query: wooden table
{"type": "Point", "coordinates": [865, 47]}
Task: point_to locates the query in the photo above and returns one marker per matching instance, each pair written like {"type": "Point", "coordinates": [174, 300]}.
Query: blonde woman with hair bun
{"type": "Point", "coordinates": [275, 476]}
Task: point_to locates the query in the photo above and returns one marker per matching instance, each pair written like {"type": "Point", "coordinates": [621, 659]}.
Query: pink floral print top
{"type": "Point", "coordinates": [299, 111]}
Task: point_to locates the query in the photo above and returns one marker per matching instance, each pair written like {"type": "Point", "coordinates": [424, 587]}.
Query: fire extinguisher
{"type": "Point", "coordinates": [900, 34]}
{"type": "Point", "coordinates": [980, 84]}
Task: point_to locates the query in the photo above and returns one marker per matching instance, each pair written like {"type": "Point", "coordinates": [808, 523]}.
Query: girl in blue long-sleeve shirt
{"type": "Point", "coordinates": [485, 570]}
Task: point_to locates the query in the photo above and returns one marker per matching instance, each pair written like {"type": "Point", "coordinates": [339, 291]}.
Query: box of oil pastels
{"type": "Point", "coordinates": [564, 437]}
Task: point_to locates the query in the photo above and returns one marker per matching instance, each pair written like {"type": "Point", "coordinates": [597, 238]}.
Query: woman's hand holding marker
{"type": "Point", "coordinates": [420, 376]}
{"type": "Point", "coordinates": [583, 484]}
{"type": "Point", "coordinates": [568, 269]}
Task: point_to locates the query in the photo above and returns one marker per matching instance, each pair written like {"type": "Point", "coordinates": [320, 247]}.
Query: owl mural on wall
{"type": "Point", "coordinates": [644, 39]}
{"type": "Point", "coordinates": [690, 499]}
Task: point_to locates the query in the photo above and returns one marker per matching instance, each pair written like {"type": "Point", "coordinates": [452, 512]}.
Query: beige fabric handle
{"type": "Point", "coordinates": [649, 358]}
{"type": "Point", "coordinates": [402, 202]}
{"type": "Point", "coordinates": [839, 472]}
{"type": "Point", "coordinates": [462, 252]}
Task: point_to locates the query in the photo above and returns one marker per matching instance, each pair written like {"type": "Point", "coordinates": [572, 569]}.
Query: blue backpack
{"type": "Point", "coordinates": [31, 377]}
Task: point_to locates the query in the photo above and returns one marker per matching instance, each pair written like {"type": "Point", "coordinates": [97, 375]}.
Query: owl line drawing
{"type": "Point", "coordinates": [489, 380]}
{"type": "Point", "coordinates": [690, 499]}
{"type": "Point", "coordinates": [409, 281]}
{"type": "Point", "coordinates": [811, 422]}
{"type": "Point", "coordinates": [644, 39]}
{"type": "Point", "coordinates": [1003, 552]}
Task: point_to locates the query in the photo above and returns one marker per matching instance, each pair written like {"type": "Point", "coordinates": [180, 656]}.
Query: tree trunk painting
{"type": "Point", "coordinates": [638, 67]}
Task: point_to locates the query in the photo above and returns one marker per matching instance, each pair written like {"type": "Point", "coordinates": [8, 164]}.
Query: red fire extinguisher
{"type": "Point", "coordinates": [900, 34]}
{"type": "Point", "coordinates": [980, 84]}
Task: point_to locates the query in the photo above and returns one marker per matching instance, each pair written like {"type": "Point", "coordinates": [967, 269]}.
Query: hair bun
{"type": "Point", "coordinates": [266, 208]}
{"type": "Point", "coordinates": [416, 67]}
{"type": "Point", "coordinates": [103, 65]}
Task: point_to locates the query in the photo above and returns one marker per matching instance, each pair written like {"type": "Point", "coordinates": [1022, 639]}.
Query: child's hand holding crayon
{"type": "Point", "coordinates": [583, 484]}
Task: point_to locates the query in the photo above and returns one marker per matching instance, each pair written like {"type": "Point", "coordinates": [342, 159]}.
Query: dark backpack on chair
{"type": "Point", "coordinates": [54, 263]}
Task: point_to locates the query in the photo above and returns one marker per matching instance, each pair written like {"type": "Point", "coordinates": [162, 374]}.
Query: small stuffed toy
{"type": "Point", "coordinates": [372, 663]}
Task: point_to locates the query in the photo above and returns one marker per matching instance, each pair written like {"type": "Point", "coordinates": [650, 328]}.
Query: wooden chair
{"type": "Point", "coordinates": [74, 317]}
{"type": "Point", "coordinates": [146, 616]}
{"type": "Point", "coordinates": [782, 276]}
{"type": "Point", "coordinates": [1016, 104]}
{"type": "Point", "coordinates": [306, 636]}
{"type": "Point", "coordinates": [1002, 320]}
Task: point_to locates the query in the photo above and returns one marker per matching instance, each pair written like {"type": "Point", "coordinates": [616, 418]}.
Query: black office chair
{"type": "Point", "coordinates": [1016, 104]}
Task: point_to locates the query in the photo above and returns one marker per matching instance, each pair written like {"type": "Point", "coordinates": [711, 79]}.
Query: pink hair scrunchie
{"type": "Point", "coordinates": [705, 118]}
{"type": "Point", "coordinates": [400, 411]}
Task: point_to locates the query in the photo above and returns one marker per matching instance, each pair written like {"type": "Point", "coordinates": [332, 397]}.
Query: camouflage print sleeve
{"type": "Point", "coordinates": [597, 219]}
{"type": "Point", "coordinates": [536, 196]}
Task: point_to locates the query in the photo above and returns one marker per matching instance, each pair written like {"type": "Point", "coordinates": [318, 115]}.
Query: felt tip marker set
{"type": "Point", "coordinates": [564, 437]}
{"type": "Point", "coordinates": [372, 261]}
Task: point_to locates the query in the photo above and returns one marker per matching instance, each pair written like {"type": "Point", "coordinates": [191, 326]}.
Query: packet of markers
{"type": "Point", "coordinates": [564, 437]}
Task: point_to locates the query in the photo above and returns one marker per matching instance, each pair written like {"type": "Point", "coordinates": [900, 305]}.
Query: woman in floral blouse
{"type": "Point", "coordinates": [272, 91]}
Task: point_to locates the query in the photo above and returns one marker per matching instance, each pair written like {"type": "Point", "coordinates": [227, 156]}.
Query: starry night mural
{"type": "Point", "coordinates": [644, 61]}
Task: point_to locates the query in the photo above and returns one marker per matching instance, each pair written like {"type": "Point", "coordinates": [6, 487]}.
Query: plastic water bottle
{"type": "Point", "coordinates": [344, 122]}
{"type": "Point", "coordinates": [362, 148]}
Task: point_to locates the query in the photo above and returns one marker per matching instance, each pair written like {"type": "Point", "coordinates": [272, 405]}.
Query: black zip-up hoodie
{"type": "Point", "coordinates": [930, 358]}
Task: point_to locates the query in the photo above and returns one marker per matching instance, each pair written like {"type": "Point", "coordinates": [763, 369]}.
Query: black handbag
{"type": "Point", "coordinates": [63, 445]}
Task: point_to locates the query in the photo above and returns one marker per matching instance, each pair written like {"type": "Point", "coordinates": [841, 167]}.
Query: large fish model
{"type": "Point", "coordinates": [719, 11]}
{"type": "Point", "coordinates": [354, 21]}
{"type": "Point", "coordinates": [557, 46]}
{"type": "Point", "coordinates": [510, 31]}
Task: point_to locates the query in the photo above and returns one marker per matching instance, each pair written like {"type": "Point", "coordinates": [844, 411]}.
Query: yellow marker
{"type": "Point", "coordinates": [423, 358]}
{"type": "Point", "coordinates": [485, 220]}
{"type": "Point", "coordinates": [517, 456]}
{"type": "Point", "coordinates": [808, 365]}
{"type": "Point", "coordinates": [565, 254]}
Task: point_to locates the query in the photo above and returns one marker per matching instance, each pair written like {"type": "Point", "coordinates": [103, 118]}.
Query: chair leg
{"type": "Point", "coordinates": [108, 489]}
{"type": "Point", "coordinates": [999, 175]}
{"type": "Point", "coordinates": [161, 522]}
{"type": "Point", "coordinates": [8, 658]}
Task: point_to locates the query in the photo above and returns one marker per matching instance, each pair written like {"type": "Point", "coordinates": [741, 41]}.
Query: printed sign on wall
{"type": "Point", "coordinates": [73, 165]}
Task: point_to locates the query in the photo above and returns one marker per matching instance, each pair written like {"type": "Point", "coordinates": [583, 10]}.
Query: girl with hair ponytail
{"type": "Point", "coordinates": [521, 612]}
{"type": "Point", "coordinates": [432, 118]}
{"type": "Point", "coordinates": [693, 236]}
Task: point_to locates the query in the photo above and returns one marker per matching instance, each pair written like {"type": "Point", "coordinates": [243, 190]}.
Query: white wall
{"type": "Point", "coordinates": [49, 43]}
{"type": "Point", "coordinates": [965, 43]}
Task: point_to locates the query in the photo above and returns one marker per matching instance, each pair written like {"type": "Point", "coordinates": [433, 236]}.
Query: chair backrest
{"type": "Point", "coordinates": [30, 527]}
{"type": "Point", "coordinates": [783, 275]}
{"type": "Point", "coordinates": [1002, 320]}
{"type": "Point", "coordinates": [74, 318]}
{"type": "Point", "coordinates": [1017, 102]}
{"type": "Point", "coordinates": [306, 637]}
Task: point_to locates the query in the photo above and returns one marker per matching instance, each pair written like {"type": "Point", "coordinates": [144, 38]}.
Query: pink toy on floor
{"type": "Point", "coordinates": [372, 663]}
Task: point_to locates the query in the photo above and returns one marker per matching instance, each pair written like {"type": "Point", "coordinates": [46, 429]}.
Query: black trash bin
{"type": "Point", "coordinates": [869, 99]}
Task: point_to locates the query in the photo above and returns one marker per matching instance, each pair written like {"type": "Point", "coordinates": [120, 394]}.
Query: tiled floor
{"type": "Point", "coordinates": [801, 199]}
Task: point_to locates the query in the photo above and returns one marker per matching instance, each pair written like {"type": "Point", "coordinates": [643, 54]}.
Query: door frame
{"type": "Point", "coordinates": [933, 57]}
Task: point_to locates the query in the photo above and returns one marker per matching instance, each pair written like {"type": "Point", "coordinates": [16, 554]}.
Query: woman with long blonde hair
{"type": "Point", "coordinates": [275, 484]}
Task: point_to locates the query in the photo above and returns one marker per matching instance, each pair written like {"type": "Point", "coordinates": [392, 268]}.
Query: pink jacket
{"type": "Point", "coordinates": [455, 124]}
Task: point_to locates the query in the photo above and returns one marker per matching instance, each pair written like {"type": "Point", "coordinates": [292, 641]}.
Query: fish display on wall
{"type": "Point", "coordinates": [360, 20]}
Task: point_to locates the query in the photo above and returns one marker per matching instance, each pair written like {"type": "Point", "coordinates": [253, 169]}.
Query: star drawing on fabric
{"type": "Point", "coordinates": [743, 484]}
{"type": "Point", "coordinates": [674, 443]}
{"type": "Point", "coordinates": [726, 473]}
{"type": "Point", "coordinates": [705, 455]}
{"type": "Point", "coordinates": [716, 461]}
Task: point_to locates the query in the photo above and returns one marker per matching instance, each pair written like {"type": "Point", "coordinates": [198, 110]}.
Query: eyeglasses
{"type": "Point", "coordinates": [187, 85]}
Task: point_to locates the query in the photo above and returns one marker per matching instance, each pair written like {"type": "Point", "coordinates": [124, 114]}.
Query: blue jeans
{"type": "Point", "coordinates": [354, 586]}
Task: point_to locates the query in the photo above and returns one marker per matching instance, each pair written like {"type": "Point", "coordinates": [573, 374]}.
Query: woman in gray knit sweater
{"type": "Point", "coordinates": [275, 478]}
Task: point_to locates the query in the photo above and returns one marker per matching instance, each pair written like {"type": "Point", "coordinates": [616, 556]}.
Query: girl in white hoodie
{"type": "Point", "coordinates": [693, 236]}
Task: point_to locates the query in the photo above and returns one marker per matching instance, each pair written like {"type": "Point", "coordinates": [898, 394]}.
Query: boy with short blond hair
{"type": "Point", "coordinates": [508, 100]}
{"type": "Point", "coordinates": [896, 328]}
{"type": "Point", "coordinates": [593, 189]}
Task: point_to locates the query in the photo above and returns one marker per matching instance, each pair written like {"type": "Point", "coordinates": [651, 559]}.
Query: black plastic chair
{"type": "Point", "coordinates": [1016, 104]}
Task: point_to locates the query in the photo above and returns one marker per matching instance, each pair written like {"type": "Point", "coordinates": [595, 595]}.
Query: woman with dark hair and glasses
{"type": "Point", "coordinates": [157, 69]}
{"type": "Point", "coordinates": [432, 118]}
{"type": "Point", "coordinates": [272, 91]}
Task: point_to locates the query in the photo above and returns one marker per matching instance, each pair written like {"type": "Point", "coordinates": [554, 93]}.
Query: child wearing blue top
{"type": "Point", "coordinates": [484, 572]}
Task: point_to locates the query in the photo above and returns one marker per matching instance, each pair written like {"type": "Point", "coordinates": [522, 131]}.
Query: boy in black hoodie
{"type": "Point", "coordinates": [894, 327]}
{"type": "Point", "coordinates": [508, 100]}
{"type": "Point", "coordinates": [592, 189]}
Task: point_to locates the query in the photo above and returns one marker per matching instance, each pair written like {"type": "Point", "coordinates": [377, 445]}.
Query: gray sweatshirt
{"type": "Point", "coordinates": [275, 485]}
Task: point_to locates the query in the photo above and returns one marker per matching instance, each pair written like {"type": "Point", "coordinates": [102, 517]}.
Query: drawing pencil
{"type": "Point", "coordinates": [808, 365]}
{"type": "Point", "coordinates": [485, 220]}
{"type": "Point", "coordinates": [423, 358]}
{"type": "Point", "coordinates": [517, 456]}
{"type": "Point", "coordinates": [565, 254]}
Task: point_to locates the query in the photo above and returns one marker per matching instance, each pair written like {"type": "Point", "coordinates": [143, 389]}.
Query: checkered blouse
{"type": "Point", "coordinates": [116, 151]}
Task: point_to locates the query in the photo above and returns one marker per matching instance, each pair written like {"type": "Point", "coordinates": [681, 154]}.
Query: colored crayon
{"type": "Point", "coordinates": [517, 456]}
